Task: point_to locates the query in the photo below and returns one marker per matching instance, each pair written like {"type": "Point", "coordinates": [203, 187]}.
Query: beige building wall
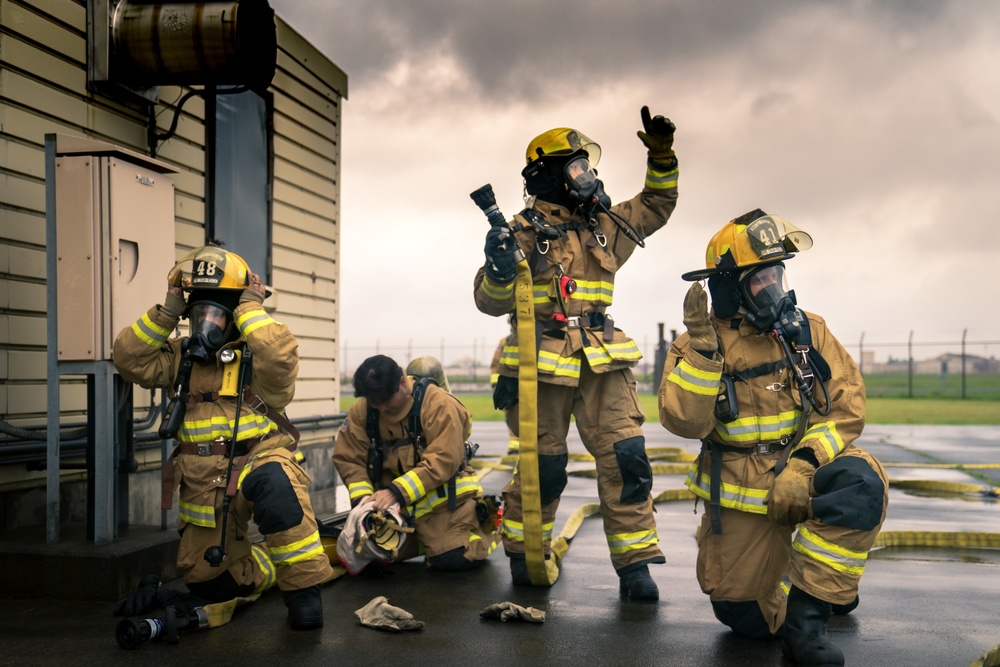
{"type": "Point", "coordinates": [43, 89]}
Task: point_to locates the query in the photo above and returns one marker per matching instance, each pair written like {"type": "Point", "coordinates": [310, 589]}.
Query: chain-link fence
{"type": "Point", "coordinates": [964, 367]}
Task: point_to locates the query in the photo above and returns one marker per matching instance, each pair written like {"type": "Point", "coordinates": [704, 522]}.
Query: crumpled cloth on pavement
{"type": "Point", "coordinates": [508, 610]}
{"type": "Point", "coordinates": [381, 615]}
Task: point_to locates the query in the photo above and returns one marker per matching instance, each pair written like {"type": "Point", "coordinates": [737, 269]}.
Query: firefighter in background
{"type": "Point", "coordinates": [403, 448]}
{"type": "Point", "coordinates": [227, 322]}
{"type": "Point", "coordinates": [513, 444]}
{"type": "Point", "coordinates": [777, 403]}
{"type": "Point", "coordinates": [576, 242]}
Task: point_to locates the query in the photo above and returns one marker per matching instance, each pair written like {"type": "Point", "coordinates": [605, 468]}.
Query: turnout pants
{"type": "Point", "coordinates": [273, 491]}
{"type": "Point", "coordinates": [755, 560]}
{"type": "Point", "coordinates": [609, 419]}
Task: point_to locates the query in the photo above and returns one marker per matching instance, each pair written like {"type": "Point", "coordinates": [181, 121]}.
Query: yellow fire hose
{"type": "Point", "coordinates": [542, 572]}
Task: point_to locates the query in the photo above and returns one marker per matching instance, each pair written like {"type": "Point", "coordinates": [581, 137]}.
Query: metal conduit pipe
{"type": "Point", "coordinates": [34, 454]}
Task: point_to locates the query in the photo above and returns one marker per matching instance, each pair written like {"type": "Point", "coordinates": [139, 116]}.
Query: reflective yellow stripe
{"type": "Point", "coordinates": [732, 496]}
{"type": "Point", "coordinates": [252, 320]}
{"type": "Point", "coordinates": [412, 486]}
{"type": "Point", "coordinates": [612, 352]}
{"type": "Point", "coordinates": [826, 434]}
{"type": "Point", "coordinates": [463, 485]}
{"type": "Point", "coordinates": [296, 552]}
{"type": "Point", "coordinates": [360, 489]}
{"type": "Point", "coordinates": [219, 426]}
{"type": "Point", "coordinates": [497, 292]}
{"type": "Point", "coordinates": [198, 515]}
{"type": "Point", "coordinates": [695, 380]}
{"type": "Point", "coordinates": [514, 530]}
{"type": "Point", "coordinates": [591, 291]}
{"type": "Point", "coordinates": [549, 362]}
{"type": "Point", "coordinates": [494, 378]}
{"type": "Point", "coordinates": [624, 542]}
{"type": "Point", "coordinates": [661, 180]}
{"type": "Point", "coordinates": [834, 556]}
{"type": "Point", "coordinates": [149, 332]}
{"type": "Point", "coordinates": [264, 563]}
{"type": "Point", "coordinates": [758, 429]}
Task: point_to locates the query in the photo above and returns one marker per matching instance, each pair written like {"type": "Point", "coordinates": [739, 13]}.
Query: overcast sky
{"type": "Point", "coordinates": [874, 126]}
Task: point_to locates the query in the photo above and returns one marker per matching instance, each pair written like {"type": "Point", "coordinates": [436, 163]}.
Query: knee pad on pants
{"type": "Point", "coordinates": [637, 474]}
{"type": "Point", "coordinates": [452, 561]}
{"type": "Point", "coordinates": [551, 476]}
{"type": "Point", "coordinates": [850, 494]}
{"type": "Point", "coordinates": [220, 589]}
{"type": "Point", "coordinates": [744, 618]}
{"type": "Point", "coordinates": [276, 508]}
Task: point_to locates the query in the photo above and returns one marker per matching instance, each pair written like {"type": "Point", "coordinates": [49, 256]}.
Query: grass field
{"type": "Point", "coordinates": [880, 410]}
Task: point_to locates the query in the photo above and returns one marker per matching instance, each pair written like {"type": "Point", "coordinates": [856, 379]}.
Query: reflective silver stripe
{"type": "Point", "coordinates": [832, 555]}
{"type": "Point", "coordinates": [296, 552]}
{"type": "Point", "coordinates": [625, 542]}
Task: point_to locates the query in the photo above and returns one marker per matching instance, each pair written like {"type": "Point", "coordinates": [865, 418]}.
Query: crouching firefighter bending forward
{"type": "Point", "coordinates": [234, 458]}
{"type": "Point", "coordinates": [402, 451]}
{"type": "Point", "coordinates": [777, 403]}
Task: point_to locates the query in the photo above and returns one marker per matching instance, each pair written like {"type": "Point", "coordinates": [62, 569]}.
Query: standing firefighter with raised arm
{"type": "Point", "coordinates": [230, 380]}
{"type": "Point", "coordinates": [793, 505]}
{"type": "Point", "coordinates": [575, 242]}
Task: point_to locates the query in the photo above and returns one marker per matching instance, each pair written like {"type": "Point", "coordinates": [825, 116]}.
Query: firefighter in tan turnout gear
{"type": "Point", "coordinates": [792, 504]}
{"type": "Point", "coordinates": [208, 375]}
{"type": "Point", "coordinates": [576, 242]}
{"type": "Point", "coordinates": [403, 449]}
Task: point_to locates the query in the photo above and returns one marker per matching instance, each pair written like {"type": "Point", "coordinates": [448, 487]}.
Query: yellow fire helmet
{"type": "Point", "coordinates": [210, 267]}
{"type": "Point", "coordinates": [563, 141]}
{"type": "Point", "coordinates": [428, 367]}
{"type": "Point", "coordinates": [753, 238]}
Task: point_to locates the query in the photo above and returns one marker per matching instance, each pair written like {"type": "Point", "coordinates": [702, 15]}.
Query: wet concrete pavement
{"type": "Point", "coordinates": [920, 606]}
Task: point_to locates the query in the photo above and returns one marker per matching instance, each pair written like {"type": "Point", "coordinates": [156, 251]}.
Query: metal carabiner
{"type": "Point", "coordinates": [602, 240]}
{"type": "Point", "coordinates": [543, 246]}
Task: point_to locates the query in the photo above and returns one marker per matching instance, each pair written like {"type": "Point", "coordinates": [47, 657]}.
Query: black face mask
{"type": "Point", "coordinates": [583, 185]}
{"type": "Point", "coordinates": [768, 303]}
{"type": "Point", "coordinates": [211, 328]}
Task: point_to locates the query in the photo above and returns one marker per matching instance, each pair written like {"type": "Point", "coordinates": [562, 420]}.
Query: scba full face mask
{"type": "Point", "coordinates": [768, 301]}
{"type": "Point", "coordinates": [582, 182]}
{"type": "Point", "coordinates": [211, 328]}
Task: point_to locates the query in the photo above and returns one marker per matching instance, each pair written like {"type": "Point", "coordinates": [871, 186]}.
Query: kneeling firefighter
{"type": "Point", "coordinates": [793, 505]}
{"type": "Point", "coordinates": [230, 380]}
{"type": "Point", "coordinates": [575, 241]}
{"type": "Point", "coordinates": [403, 454]}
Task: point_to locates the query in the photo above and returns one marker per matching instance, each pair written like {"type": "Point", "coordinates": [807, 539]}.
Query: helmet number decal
{"type": "Point", "coordinates": [206, 273]}
{"type": "Point", "coordinates": [765, 240]}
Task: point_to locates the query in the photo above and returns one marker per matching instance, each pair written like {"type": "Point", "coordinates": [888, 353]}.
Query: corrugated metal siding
{"type": "Point", "coordinates": [43, 74]}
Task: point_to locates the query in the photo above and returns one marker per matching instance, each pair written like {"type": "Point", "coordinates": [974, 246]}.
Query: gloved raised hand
{"type": "Point", "coordinates": [380, 614]}
{"type": "Point", "coordinates": [508, 610]}
{"type": "Point", "coordinates": [500, 248]}
{"type": "Point", "coordinates": [788, 502]}
{"type": "Point", "coordinates": [658, 137]}
{"type": "Point", "coordinates": [142, 600]}
{"type": "Point", "coordinates": [254, 291]}
{"type": "Point", "coordinates": [698, 323]}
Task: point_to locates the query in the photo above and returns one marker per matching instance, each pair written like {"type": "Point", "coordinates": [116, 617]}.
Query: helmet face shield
{"type": "Point", "coordinates": [765, 294]}
{"type": "Point", "coordinates": [580, 178]}
{"type": "Point", "coordinates": [562, 141]}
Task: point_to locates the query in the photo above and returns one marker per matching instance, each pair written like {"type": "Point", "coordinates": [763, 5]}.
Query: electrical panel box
{"type": "Point", "coordinates": [114, 242]}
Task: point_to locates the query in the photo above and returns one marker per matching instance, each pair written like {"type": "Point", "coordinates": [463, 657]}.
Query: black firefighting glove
{"type": "Point", "coordinates": [500, 249]}
{"type": "Point", "coordinates": [505, 393]}
{"type": "Point", "coordinates": [658, 137]}
{"type": "Point", "coordinates": [142, 600]}
{"type": "Point", "coordinates": [698, 323]}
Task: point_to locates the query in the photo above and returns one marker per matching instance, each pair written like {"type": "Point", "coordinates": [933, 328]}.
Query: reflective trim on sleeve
{"type": "Point", "coordinates": [695, 380]}
{"type": "Point", "coordinates": [661, 180]}
{"type": "Point", "coordinates": [296, 552]}
{"type": "Point", "coordinates": [359, 490]}
{"type": "Point", "coordinates": [149, 332]}
{"type": "Point", "coordinates": [735, 497]}
{"type": "Point", "coordinates": [833, 556]}
{"type": "Point", "coordinates": [432, 500]}
{"type": "Point", "coordinates": [826, 434]}
{"type": "Point", "coordinates": [197, 515]}
{"type": "Point", "coordinates": [252, 320]}
{"type": "Point", "coordinates": [497, 292]}
{"type": "Point", "coordinates": [411, 486]}
{"type": "Point", "coordinates": [621, 543]}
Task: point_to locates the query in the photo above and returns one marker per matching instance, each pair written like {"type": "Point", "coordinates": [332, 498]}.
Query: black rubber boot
{"type": "Point", "coordinates": [636, 584]}
{"type": "Point", "coordinates": [845, 609]}
{"type": "Point", "coordinates": [519, 571]}
{"type": "Point", "coordinates": [305, 608]}
{"type": "Point", "coordinates": [804, 640]}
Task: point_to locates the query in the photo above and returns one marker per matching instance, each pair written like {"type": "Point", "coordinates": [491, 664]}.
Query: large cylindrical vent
{"type": "Point", "coordinates": [212, 43]}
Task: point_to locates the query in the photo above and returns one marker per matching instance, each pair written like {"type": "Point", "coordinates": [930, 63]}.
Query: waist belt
{"type": "Point", "coordinates": [217, 448]}
{"type": "Point", "coordinates": [592, 320]}
{"type": "Point", "coordinates": [715, 451]}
